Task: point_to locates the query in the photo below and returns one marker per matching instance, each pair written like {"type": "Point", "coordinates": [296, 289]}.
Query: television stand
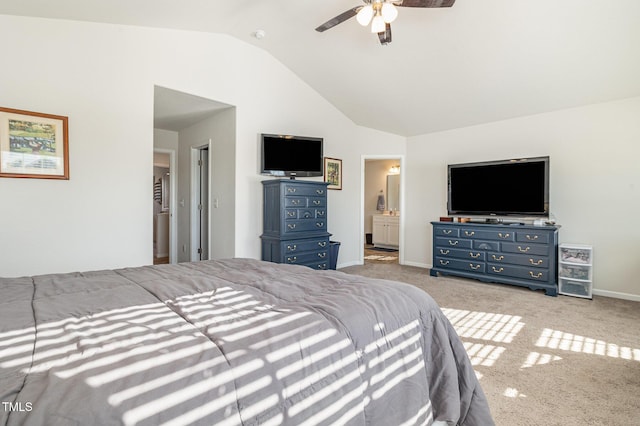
{"type": "Point", "coordinates": [525, 255]}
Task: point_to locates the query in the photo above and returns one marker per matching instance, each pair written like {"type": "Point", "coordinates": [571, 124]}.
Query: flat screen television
{"type": "Point", "coordinates": [287, 155]}
{"type": "Point", "coordinates": [518, 187]}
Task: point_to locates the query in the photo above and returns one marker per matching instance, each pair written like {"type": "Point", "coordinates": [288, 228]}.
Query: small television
{"type": "Point", "coordinates": [286, 155]}
{"type": "Point", "coordinates": [518, 187]}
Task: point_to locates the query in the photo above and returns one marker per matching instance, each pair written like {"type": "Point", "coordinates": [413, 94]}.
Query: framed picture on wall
{"type": "Point", "coordinates": [33, 145]}
{"type": "Point", "coordinates": [333, 172]}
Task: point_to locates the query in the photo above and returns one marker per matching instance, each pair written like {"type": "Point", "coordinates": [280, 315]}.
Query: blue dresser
{"type": "Point", "coordinates": [295, 223]}
{"type": "Point", "coordinates": [523, 255]}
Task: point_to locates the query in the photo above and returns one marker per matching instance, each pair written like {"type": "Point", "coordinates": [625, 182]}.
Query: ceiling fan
{"type": "Point", "coordinates": [380, 13]}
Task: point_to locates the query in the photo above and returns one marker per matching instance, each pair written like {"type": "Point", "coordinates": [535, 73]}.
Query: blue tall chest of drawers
{"type": "Point", "coordinates": [295, 223]}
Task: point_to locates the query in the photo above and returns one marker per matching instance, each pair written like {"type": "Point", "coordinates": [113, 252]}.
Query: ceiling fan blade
{"type": "Point", "coordinates": [339, 19]}
{"type": "Point", "coordinates": [385, 36]}
{"type": "Point", "coordinates": [426, 3]}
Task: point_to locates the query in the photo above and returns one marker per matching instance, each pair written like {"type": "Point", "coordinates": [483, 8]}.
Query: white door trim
{"type": "Point", "coordinates": [195, 189]}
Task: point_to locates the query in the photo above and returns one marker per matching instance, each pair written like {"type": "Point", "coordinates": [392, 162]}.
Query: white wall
{"type": "Point", "coordinates": [102, 77]}
{"type": "Point", "coordinates": [220, 130]}
{"type": "Point", "coordinates": [595, 181]}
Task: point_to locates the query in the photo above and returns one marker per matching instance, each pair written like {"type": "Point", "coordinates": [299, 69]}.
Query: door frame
{"type": "Point", "coordinates": [173, 197]}
{"type": "Point", "coordinates": [195, 190]}
{"type": "Point", "coordinates": [400, 158]}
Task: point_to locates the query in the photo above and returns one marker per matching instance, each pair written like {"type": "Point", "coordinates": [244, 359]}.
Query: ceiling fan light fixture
{"type": "Point", "coordinates": [364, 15]}
{"type": "Point", "coordinates": [389, 12]}
{"type": "Point", "coordinates": [377, 24]}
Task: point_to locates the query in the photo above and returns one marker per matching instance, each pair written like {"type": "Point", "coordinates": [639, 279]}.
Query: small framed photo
{"type": "Point", "coordinates": [333, 172]}
{"type": "Point", "coordinates": [33, 145]}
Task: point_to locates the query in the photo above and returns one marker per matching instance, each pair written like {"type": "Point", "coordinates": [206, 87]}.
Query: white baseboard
{"type": "Point", "coordinates": [616, 295]}
{"type": "Point", "coordinates": [344, 265]}
{"type": "Point", "coordinates": [417, 264]}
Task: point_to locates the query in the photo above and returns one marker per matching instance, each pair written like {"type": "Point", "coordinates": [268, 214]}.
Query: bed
{"type": "Point", "coordinates": [229, 342]}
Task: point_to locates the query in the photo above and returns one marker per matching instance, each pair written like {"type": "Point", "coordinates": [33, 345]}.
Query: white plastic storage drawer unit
{"type": "Point", "coordinates": [575, 270]}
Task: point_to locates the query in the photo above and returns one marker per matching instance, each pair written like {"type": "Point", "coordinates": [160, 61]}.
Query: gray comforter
{"type": "Point", "coordinates": [232, 342]}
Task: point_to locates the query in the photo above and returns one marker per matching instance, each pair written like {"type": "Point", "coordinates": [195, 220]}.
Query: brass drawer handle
{"type": "Point", "coordinates": [319, 191]}
{"type": "Point", "coordinates": [295, 202]}
{"type": "Point", "coordinates": [444, 251]}
{"type": "Point", "coordinates": [292, 259]}
{"type": "Point", "coordinates": [291, 214]}
{"type": "Point", "coordinates": [475, 256]}
{"type": "Point", "coordinates": [321, 213]}
{"type": "Point", "coordinates": [529, 237]}
{"type": "Point", "coordinates": [322, 266]}
{"type": "Point", "coordinates": [319, 224]}
{"type": "Point", "coordinates": [497, 270]}
{"type": "Point", "coordinates": [322, 255]}
{"type": "Point", "coordinates": [292, 190]}
{"type": "Point", "coordinates": [501, 235]}
{"type": "Point", "coordinates": [322, 243]}
{"type": "Point", "coordinates": [539, 262]}
{"type": "Point", "coordinates": [291, 226]}
{"type": "Point", "coordinates": [292, 248]}
{"type": "Point", "coordinates": [316, 202]}
{"type": "Point", "coordinates": [447, 231]}
{"type": "Point", "coordinates": [444, 262]}
{"type": "Point", "coordinates": [469, 233]}
{"type": "Point", "coordinates": [453, 243]}
{"type": "Point", "coordinates": [524, 250]}
{"type": "Point", "coordinates": [497, 257]}
{"type": "Point", "coordinates": [538, 275]}
{"type": "Point", "coordinates": [307, 215]}
{"type": "Point", "coordinates": [474, 267]}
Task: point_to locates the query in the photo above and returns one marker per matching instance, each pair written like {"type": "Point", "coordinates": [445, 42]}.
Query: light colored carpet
{"type": "Point", "coordinates": [541, 360]}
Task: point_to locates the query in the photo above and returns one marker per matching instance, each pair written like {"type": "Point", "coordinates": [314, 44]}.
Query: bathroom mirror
{"type": "Point", "coordinates": [393, 192]}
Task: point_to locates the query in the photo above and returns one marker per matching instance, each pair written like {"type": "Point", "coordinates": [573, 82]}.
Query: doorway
{"type": "Point", "coordinates": [382, 209]}
{"type": "Point", "coordinates": [200, 218]}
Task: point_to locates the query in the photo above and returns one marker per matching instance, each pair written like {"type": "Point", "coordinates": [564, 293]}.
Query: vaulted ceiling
{"type": "Point", "coordinates": [476, 62]}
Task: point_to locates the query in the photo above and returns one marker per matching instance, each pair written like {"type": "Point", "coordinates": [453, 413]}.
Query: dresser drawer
{"type": "Point", "coordinates": [533, 237]}
{"type": "Point", "coordinates": [298, 246]}
{"type": "Point", "coordinates": [461, 254]}
{"type": "Point", "coordinates": [316, 202]}
{"type": "Point", "coordinates": [305, 258]}
{"type": "Point", "coordinates": [486, 245]}
{"type": "Point", "coordinates": [490, 234]}
{"type": "Point", "coordinates": [304, 190]}
{"type": "Point", "coordinates": [304, 225]}
{"type": "Point", "coordinates": [295, 202]}
{"type": "Point", "coordinates": [525, 248]}
{"type": "Point", "coordinates": [453, 242]}
{"type": "Point", "coordinates": [322, 266]}
{"type": "Point", "coordinates": [519, 259]}
{"type": "Point", "coordinates": [447, 231]}
{"type": "Point", "coordinates": [533, 274]}
{"type": "Point", "coordinates": [461, 265]}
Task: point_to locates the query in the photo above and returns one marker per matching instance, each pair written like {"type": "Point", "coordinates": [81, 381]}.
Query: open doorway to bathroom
{"type": "Point", "coordinates": [163, 162]}
{"type": "Point", "coordinates": [381, 209]}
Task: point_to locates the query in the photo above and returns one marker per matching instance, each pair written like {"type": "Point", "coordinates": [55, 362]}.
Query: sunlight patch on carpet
{"type": "Point", "coordinates": [485, 355]}
{"type": "Point", "coordinates": [484, 325]}
{"type": "Point", "coordinates": [376, 257]}
{"type": "Point", "coordinates": [535, 358]}
{"type": "Point", "coordinates": [556, 339]}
